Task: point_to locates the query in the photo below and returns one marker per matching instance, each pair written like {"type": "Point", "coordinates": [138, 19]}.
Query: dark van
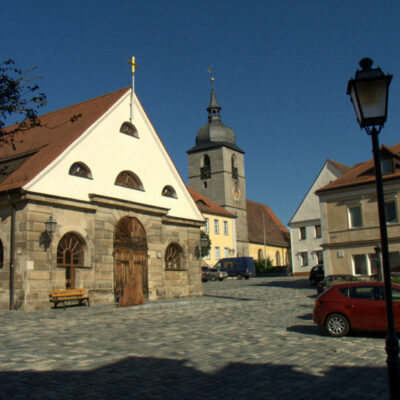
{"type": "Point", "coordinates": [241, 267]}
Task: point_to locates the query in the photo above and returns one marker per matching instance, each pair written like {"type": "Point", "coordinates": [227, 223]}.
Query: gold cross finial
{"type": "Point", "coordinates": [133, 64]}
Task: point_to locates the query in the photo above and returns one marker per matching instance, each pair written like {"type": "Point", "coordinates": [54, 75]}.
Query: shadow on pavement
{"type": "Point", "coordinates": [306, 329]}
{"type": "Point", "coordinates": [319, 331]}
{"type": "Point", "coordinates": [228, 297]}
{"type": "Point", "coordinates": [290, 284]}
{"type": "Point", "coordinates": [153, 378]}
{"type": "Point", "coordinates": [306, 317]}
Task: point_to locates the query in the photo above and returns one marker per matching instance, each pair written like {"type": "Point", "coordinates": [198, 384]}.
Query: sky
{"type": "Point", "coordinates": [281, 70]}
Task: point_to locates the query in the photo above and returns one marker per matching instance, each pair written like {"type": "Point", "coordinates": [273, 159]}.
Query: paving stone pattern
{"type": "Point", "coordinates": [250, 339]}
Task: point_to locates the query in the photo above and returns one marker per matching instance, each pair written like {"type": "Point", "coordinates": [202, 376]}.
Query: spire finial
{"type": "Point", "coordinates": [133, 87]}
{"type": "Point", "coordinates": [211, 71]}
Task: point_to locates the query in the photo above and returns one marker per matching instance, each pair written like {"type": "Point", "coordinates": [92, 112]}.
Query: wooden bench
{"type": "Point", "coordinates": [69, 295]}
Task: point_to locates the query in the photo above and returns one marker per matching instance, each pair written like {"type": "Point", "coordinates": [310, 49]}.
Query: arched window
{"type": "Point", "coordinates": [260, 255]}
{"type": "Point", "coordinates": [278, 258]}
{"type": "Point", "coordinates": [70, 255]}
{"type": "Point", "coordinates": [173, 257]}
{"type": "Point", "coordinates": [129, 129]}
{"type": "Point", "coordinates": [169, 191]}
{"type": "Point", "coordinates": [1, 254]}
{"type": "Point", "coordinates": [80, 169]}
{"type": "Point", "coordinates": [129, 180]}
{"type": "Point", "coordinates": [235, 173]}
{"type": "Point", "coordinates": [205, 170]}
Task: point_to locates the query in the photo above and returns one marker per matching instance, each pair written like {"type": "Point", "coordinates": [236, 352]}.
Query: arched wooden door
{"type": "Point", "coordinates": [130, 262]}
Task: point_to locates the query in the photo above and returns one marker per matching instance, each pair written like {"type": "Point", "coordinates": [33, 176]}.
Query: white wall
{"type": "Point", "coordinates": [107, 152]}
{"type": "Point", "coordinates": [308, 215]}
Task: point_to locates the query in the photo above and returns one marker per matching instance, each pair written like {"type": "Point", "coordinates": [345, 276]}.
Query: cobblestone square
{"type": "Point", "coordinates": [244, 339]}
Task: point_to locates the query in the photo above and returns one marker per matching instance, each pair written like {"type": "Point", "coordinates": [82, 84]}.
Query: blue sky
{"type": "Point", "coordinates": [281, 72]}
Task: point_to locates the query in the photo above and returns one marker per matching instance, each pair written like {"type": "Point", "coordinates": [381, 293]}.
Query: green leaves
{"type": "Point", "coordinates": [19, 100]}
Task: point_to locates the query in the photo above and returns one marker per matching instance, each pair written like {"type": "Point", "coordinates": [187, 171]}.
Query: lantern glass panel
{"type": "Point", "coordinates": [372, 96]}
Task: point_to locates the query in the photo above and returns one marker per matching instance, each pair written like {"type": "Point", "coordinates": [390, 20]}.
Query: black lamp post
{"type": "Point", "coordinates": [369, 95]}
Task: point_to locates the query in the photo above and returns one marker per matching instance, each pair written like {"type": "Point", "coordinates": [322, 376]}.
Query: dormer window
{"type": "Point", "coordinates": [387, 166]}
{"type": "Point", "coordinates": [129, 180]}
{"type": "Point", "coordinates": [129, 129]}
{"type": "Point", "coordinates": [81, 170]}
{"type": "Point", "coordinates": [169, 191]}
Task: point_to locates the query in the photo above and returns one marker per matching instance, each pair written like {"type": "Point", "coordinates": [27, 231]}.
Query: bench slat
{"type": "Point", "coordinates": [64, 295]}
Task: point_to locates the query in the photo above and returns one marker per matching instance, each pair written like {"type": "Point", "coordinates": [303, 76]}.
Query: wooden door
{"type": "Point", "coordinates": [130, 262]}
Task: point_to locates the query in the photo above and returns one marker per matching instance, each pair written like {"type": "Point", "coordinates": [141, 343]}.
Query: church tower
{"type": "Point", "coordinates": [216, 169]}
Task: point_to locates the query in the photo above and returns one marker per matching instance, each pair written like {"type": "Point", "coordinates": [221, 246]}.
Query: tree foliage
{"type": "Point", "coordinates": [19, 100]}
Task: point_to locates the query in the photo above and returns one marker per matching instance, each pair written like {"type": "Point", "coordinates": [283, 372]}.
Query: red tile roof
{"type": "Point", "coordinates": [205, 205]}
{"type": "Point", "coordinates": [38, 147]}
{"type": "Point", "coordinates": [364, 173]}
{"type": "Point", "coordinates": [275, 232]}
{"type": "Point", "coordinates": [343, 168]}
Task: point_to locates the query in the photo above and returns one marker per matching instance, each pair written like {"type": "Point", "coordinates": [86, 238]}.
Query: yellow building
{"type": "Point", "coordinates": [268, 238]}
{"type": "Point", "coordinates": [220, 225]}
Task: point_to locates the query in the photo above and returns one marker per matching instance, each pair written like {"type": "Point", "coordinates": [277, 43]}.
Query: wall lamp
{"type": "Point", "coordinates": [47, 235]}
{"type": "Point", "coordinates": [203, 245]}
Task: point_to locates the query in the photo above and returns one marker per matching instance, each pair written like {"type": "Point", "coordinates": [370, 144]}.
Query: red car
{"type": "Point", "coordinates": [355, 306]}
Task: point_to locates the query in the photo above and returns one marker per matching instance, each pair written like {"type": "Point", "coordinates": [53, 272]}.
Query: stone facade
{"type": "Point", "coordinates": [35, 268]}
{"type": "Point", "coordinates": [222, 187]}
{"type": "Point", "coordinates": [342, 243]}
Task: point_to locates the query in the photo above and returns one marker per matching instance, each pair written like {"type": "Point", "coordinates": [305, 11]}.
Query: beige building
{"type": "Point", "coordinates": [349, 217]}
{"type": "Point", "coordinates": [119, 222]}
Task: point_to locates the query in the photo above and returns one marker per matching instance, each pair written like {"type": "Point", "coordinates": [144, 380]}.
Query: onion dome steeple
{"type": "Point", "coordinates": [215, 131]}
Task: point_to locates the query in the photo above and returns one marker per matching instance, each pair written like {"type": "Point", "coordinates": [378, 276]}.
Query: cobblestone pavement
{"type": "Point", "coordinates": [250, 339]}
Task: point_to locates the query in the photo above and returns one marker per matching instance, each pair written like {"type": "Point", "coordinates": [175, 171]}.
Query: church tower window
{"type": "Point", "coordinates": [235, 174]}
{"type": "Point", "coordinates": [205, 170]}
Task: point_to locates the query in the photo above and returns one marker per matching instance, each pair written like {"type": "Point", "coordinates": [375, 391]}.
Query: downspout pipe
{"type": "Point", "coordinates": [12, 250]}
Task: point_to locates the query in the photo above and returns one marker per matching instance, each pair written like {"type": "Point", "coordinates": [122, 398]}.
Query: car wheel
{"type": "Point", "coordinates": [221, 279]}
{"type": "Point", "coordinates": [246, 277]}
{"type": "Point", "coordinates": [337, 325]}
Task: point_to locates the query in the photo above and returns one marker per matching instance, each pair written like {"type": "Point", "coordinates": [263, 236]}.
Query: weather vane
{"type": "Point", "coordinates": [211, 72]}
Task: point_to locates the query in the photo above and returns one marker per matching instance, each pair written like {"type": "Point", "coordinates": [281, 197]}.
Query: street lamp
{"type": "Point", "coordinates": [369, 95]}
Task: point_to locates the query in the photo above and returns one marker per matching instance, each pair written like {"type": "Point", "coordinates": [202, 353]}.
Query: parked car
{"type": "Point", "coordinates": [334, 279]}
{"type": "Point", "coordinates": [205, 274]}
{"type": "Point", "coordinates": [240, 267]}
{"type": "Point", "coordinates": [355, 306]}
{"type": "Point", "coordinates": [316, 274]}
{"type": "Point", "coordinates": [217, 274]}
{"type": "Point", "coordinates": [212, 274]}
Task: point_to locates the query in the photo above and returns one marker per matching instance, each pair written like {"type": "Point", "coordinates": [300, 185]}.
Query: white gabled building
{"type": "Point", "coordinates": [124, 215]}
{"type": "Point", "coordinates": [305, 225]}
